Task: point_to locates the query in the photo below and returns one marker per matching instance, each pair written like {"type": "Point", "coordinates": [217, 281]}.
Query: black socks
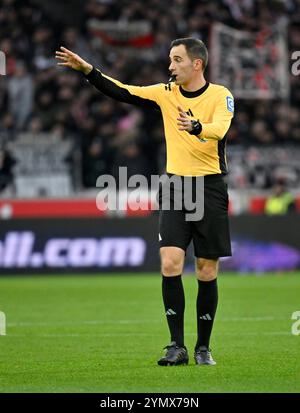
{"type": "Point", "coordinates": [207, 302]}
{"type": "Point", "coordinates": [174, 302]}
{"type": "Point", "coordinates": [173, 296]}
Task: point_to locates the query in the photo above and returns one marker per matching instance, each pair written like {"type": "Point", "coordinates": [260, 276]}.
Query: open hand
{"type": "Point", "coordinates": [72, 60]}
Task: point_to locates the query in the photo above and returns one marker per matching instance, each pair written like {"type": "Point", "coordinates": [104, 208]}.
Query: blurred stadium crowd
{"type": "Point", "coordinates": [37, 96]}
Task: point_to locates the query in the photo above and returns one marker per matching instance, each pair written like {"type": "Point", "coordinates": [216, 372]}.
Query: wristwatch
{"type": "Point", "coordinates": [196, 127]}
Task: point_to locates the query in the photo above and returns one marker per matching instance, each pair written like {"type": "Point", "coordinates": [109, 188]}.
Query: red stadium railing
{"type": "Point", "coordinates": [37, 208]}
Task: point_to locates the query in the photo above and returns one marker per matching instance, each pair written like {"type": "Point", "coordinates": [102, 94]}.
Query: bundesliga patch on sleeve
{"type": "Point", "coordinates": [230, 103]}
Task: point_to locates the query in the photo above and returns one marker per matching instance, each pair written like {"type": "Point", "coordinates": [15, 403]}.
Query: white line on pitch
{"type": "Point", "coordinates": [107, 321]}
{"type": "Point", "coordinates": [267, 333]}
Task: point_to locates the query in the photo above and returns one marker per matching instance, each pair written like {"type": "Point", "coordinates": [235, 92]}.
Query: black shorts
{"type": "Point", "coordinates": [210, 235]}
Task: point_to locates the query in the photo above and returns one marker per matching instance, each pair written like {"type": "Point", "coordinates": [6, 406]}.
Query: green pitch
{"type": "Point", "coordinates": [105, 334]}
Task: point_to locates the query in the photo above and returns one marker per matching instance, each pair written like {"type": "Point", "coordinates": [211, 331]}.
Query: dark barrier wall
{"type": "Point", "coordinates": [76, 245]}
{"type": "Point", "coordinates": [259, 244]}
{"type": "Point", "coordinates": [263, 243]}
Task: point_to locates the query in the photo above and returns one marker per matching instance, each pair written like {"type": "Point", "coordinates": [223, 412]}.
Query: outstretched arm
{"type": "Point", "coordinates": [140, 96]}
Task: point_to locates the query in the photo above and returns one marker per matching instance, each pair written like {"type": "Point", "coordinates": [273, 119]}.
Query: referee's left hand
{"type": "Point", "coordinates": [184, 122]}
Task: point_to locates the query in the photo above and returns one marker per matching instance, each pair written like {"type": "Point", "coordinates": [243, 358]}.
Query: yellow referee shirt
{"type": "Point", "coordinates": [212, 105]}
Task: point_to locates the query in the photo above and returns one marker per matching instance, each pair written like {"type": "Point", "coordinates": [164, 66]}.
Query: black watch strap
{"type": "Point", "coordinates": [197, 127]}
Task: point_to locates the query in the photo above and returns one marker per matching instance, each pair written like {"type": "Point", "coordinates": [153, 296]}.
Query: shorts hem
{"type": "Point", "coordinates": [213, 256]}
{"type": "Point", "coordinates": [172, 245]}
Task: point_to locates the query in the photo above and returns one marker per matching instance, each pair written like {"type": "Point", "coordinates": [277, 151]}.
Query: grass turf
{"type": "Point", "coordinates": [104, 334]}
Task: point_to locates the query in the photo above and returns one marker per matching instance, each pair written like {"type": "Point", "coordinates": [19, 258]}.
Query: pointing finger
{"type": "Point", "coordinates": [64, 49]}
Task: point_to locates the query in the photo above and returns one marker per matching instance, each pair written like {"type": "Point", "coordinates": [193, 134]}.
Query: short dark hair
{"type": "Point", "coordinates": [195, 48]}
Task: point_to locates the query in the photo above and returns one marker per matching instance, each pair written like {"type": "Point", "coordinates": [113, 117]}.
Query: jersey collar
{"type": "Point", "coordinates": [194, 94]}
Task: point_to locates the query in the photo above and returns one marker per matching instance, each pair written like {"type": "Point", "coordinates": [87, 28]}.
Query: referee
{"type": "Point", "coordinates": [196, 114]}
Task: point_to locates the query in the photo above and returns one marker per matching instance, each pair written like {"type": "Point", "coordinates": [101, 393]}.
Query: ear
{"type": "Point", "coordinates": [198, 65]}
